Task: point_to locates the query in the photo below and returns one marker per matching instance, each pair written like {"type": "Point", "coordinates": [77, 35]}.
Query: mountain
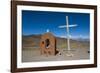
{"type": "Point", "coordinates": [82, 39]}
{"type": "Point", "coordinates": [29, 41]}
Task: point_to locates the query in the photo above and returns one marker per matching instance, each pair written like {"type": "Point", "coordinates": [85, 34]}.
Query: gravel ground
{"type": "Point", "coordinates": [33, 55]}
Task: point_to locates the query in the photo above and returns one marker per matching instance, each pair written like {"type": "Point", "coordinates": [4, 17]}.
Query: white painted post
{"type": "Point", "coordinates": [68, 36]}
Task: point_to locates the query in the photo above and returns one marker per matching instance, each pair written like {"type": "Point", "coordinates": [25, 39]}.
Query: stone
{"type": "Point", "coordinates": [48, 44]}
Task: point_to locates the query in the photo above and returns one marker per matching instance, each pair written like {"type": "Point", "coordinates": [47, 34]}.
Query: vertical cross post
{"type": "Point", "coordinates": [68, 36]}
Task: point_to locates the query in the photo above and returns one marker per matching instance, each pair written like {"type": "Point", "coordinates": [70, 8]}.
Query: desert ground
{"type": "Point", "coordinates": [34, 55]}
{"type": "Point", "coordinates": [31, 51]}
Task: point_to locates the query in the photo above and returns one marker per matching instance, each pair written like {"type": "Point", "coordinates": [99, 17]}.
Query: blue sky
{"type": "Point", "coordinates": [37, 22]}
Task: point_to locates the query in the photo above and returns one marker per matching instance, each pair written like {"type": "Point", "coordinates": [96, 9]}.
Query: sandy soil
{"type": "Point", "coordinates": [33, 55]}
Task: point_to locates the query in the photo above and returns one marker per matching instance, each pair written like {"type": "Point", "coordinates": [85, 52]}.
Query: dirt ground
{"type": "Point", "coordinates": [33, 55]}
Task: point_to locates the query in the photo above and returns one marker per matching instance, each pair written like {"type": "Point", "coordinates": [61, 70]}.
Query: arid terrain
{"type": "Point", "coordinates": [31, 49]}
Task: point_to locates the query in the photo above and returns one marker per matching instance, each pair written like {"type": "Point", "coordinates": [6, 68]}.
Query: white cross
{"type": "Point", "coordinates": [68, 35]}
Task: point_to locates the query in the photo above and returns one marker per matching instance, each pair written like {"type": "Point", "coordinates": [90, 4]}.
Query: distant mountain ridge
{"type": "Point", "coordinates": [34, 41]}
